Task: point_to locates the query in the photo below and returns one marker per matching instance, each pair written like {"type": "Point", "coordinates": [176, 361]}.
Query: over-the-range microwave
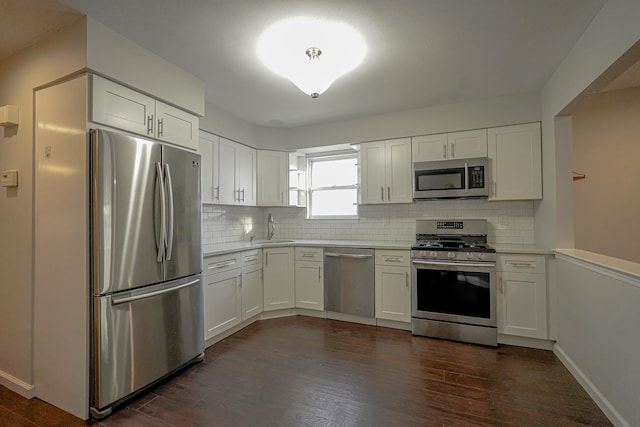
{"type": "Point", "coordinates": [451, 179]}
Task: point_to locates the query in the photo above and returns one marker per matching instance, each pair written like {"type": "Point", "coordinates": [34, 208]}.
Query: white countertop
{"type": "Point", "coordinates": [243, 245]}
{"type": "Point", "coordinates": [627, 268]}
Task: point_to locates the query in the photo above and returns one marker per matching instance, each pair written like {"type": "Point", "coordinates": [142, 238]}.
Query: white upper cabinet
{"type": "Point", "coordinates": [515, 154]}
{"type": "Point", "coordinates": [123, 108]}
{"type": "Point", "coordinates": [454, 145]}
{"type": "Point", "coordinates": [176, 126]}
{"type": "Point", "coordinates": [208, 145]}
{"type": "Point", "coordinates": [272, 178]}
{"type": "Point", "coordinates": [234, 174]}
{"type": "Point", "coordinates": [386, 171]}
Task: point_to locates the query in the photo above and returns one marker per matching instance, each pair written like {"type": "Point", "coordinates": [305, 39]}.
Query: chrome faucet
{"type": "Point", "coordinates": [271, 227]}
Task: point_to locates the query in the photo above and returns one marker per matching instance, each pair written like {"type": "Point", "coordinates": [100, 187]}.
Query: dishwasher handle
{"type": "Point", "coordinates": [335, 254]}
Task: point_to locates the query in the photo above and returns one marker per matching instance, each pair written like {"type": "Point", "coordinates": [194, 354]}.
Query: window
{"type": "Point", "coordinates": [333, 186]}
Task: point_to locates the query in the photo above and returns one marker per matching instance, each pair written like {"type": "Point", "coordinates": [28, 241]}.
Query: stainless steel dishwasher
{"type": "Point", "coordinates": [349, 281]}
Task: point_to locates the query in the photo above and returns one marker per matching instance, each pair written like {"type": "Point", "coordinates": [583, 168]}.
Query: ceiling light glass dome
{"type": "Point", "coordinates": [310, 52]}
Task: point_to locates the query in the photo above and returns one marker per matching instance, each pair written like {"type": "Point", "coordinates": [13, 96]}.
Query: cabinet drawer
{"type": "Point", "coordinates": [220, 263]}
{"type": "Point", "coordinates": [252, 258]}
{"type": "Point", "coordinates": [521, 263]}
{"type": "Point", "coordinates": [389, 257]}
{"type": "Point", "coordinates": [309, 254]}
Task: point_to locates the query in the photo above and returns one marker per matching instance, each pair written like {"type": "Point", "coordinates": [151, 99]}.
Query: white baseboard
{"type": "Point", "coordinates": [525, 342]}
{"type": "Point", "coordinates": [614, 416]}
{"type": "Point", "coordinates": [384, 323]}
{"type": "Point", "coordinates": [16, 385]}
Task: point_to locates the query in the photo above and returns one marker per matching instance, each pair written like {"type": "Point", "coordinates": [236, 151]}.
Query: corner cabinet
{"type": "Point", "coordinates": [454, 145]}
{"type": "Point", "coordinates": [522, 295]}
{"type": "Point", "coordinates": [279, 278]}
{"type": "Point", "coordinates": [386, 172]}
{"type": "Point", "coordinates": [123, 108]}
{"type": "Point", "coordinates": [393, 285]}
{"type": "Point", "coordinates": [273, 167]}
{"type": "Point", "coordinates": [515, 154]}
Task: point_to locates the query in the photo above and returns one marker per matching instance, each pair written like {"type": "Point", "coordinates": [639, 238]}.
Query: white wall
{"type": "Point", "coordinates": [606, 147]}
{"type": "Point", "coordinates": [597, 317]}
{"type": "Point", "coordinates": [116, 57]}
{"type": "Point", "coordinates": [62, 54]}
{"type": "Point", "coordinates": [520, 108]}
{"type": "Point", "coordinates": [598, 335]}
{"type": "Point", "coordinates": [230, 126]}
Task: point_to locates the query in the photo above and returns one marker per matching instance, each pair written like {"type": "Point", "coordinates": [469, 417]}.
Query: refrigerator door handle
{"type": "Point", "coordinates": [163, 208]}
{"type": "Point", "coordinates": [129, 298]}
{"type": "Point", "coordinates": [171, 219]}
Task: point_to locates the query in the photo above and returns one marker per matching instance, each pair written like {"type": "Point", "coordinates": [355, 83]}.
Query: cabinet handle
{"type": "Point", "coordinates": [318, 273]}
{"type": "Point", "coordinates": [521, 264]}
{"type": "Point", "coordinates": [406, 279]}
{"type": "Point", "coordinates": [495, 188]}
{"type": "Point", "coordinates": [149, 125]}
{"type": "Point", "coordinates": [216, 195]}
{"type": "Point", "coordinates": [500, 286]}
{"type": "Point", "coordinates": [223, 264]}
{"type": "Point", "coordinates": [237, 198]}
{"type": "Point", "coordinates": [240, 280]}
{"type": "Point", "coordinates": [160, 127]}
{"type": "Point", "coordinates": [266, 262]}
{"type": "Point", "coordinates": [243, 194]}
{"type": "Point", "coordinates": [308, 255]}
{"type": "Point", "coordinates": [282, 197]}
{"type": "Point", "coordinates": [444, 151]}
{"type": "Point", "coordinates": [388, 194]}
{"type": "Point", "coordinates": [389, 259]}
{"type": "Point", "coordinates": [382, 193]}
{"type": "Point", "coordinates": [453, 151]}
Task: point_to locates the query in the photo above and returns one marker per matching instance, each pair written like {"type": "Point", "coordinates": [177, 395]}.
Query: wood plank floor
{"type": "Point", "coordinates": [302, 371]}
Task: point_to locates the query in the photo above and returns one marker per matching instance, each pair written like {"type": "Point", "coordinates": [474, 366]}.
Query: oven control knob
{"type": "Point", "coordinates": [451, 255]}
{"type": "Point", "coordinates": [433, 254]}
{"type": "Point", "coordinates": [422, 254]}
{"type": "Point", "coordinates": [469, 255]}
{"type": "Point", "coordinates": [481, 255]}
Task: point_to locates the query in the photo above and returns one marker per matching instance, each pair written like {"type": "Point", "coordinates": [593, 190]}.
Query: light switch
{"type": "Point", "coordinates": [9, 178]}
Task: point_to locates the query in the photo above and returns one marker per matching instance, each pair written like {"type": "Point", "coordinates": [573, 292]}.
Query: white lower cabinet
{"type": "Point", "coordinates": [233, 293]}
{"type": "Point", "coordinates": [522, 296]}
{"type": "Point", "coordinates": [393, 285]}
{"type": "Point", "coordinates": [278, 274]}
{"type": "Point", "coordinates": [309, 277]}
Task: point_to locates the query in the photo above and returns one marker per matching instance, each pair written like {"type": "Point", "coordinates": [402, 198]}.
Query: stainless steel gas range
{"type": "Point", "coordinates": [454, 282]}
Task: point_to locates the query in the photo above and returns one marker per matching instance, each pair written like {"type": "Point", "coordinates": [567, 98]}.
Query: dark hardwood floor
{"type": "Point", "coordinates": [301, 371]}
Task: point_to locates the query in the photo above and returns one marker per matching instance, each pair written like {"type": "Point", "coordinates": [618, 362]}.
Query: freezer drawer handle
{"type": "Point", "coordinates": [122, 300]}
{"type": "Point", "coordinates": [333, 254]}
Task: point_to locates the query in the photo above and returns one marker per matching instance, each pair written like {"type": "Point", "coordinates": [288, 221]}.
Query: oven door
{"type": "Point", "coordinates": [460, 292]}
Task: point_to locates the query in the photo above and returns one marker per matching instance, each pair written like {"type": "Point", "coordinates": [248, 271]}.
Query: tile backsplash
{"type": "Point", "coordinates": [509, 222]}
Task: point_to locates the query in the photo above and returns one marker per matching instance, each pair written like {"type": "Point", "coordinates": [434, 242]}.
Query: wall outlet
{"type": "Point", "coordinates": [9, 178]}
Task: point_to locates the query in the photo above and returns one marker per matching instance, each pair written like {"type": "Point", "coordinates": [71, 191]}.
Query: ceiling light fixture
{"type": "Point", "coordinates": [312, 53]}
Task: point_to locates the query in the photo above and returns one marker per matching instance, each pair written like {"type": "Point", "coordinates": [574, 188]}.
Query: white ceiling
{"type": "Point", "coordinates": [421, 52]}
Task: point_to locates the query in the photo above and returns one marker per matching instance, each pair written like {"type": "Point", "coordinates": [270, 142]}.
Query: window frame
{"type": "Point", "coordinates": [329, 157]}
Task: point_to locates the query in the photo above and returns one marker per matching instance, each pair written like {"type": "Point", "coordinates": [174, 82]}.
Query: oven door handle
{"type": "Point", "coordinates": [455, 264]}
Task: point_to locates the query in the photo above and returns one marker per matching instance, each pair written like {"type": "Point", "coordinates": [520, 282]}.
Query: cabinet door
{"type": "Point", "coordinates": [208, 143]}
{"type": "Point", "coordinates": [278, 274]}
{"type": "Point", "coordinates": [522, 308]}
{"type": "Point", "coordinates": [372, 170]}
{"type": "Point", "coordinates": [246, 175]}
{"type": "Point", "coordinates": [272, 178]}
{"type": "Point", "coordinates": [467, 144]}
{"type": "Point", "coordinates": [225, 163]}
{"type": "Point", "coordinates": [309, 285]}
{"type": "Point", "coordinates": [122, 108]}
{"type": "Point", "coordinates": [429, 147]}
{"type": "Point", "coordinates": [176, 126]}
{"type": "Point", "coordinates": [515, 153]}
{"type": "Point", "coordinates": [398, 171]}
{"type": "Point", "coordinates": [223, 308]}
{"type": "Point", "coordinates": [393, 293]}
{"type": "Point", "coordinates": [251, 290]}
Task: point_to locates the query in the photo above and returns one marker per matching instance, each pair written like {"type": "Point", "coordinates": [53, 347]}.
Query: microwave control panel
{"type": "Point", "coordinates": [476, 177]}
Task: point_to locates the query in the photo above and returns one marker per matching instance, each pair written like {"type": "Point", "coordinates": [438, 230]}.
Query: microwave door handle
{"type": "Point", "coordinates": [466, 177]}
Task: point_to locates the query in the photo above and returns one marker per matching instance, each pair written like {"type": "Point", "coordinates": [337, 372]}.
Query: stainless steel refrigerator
{"type": "Point", "coordinates": [146, 269]}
